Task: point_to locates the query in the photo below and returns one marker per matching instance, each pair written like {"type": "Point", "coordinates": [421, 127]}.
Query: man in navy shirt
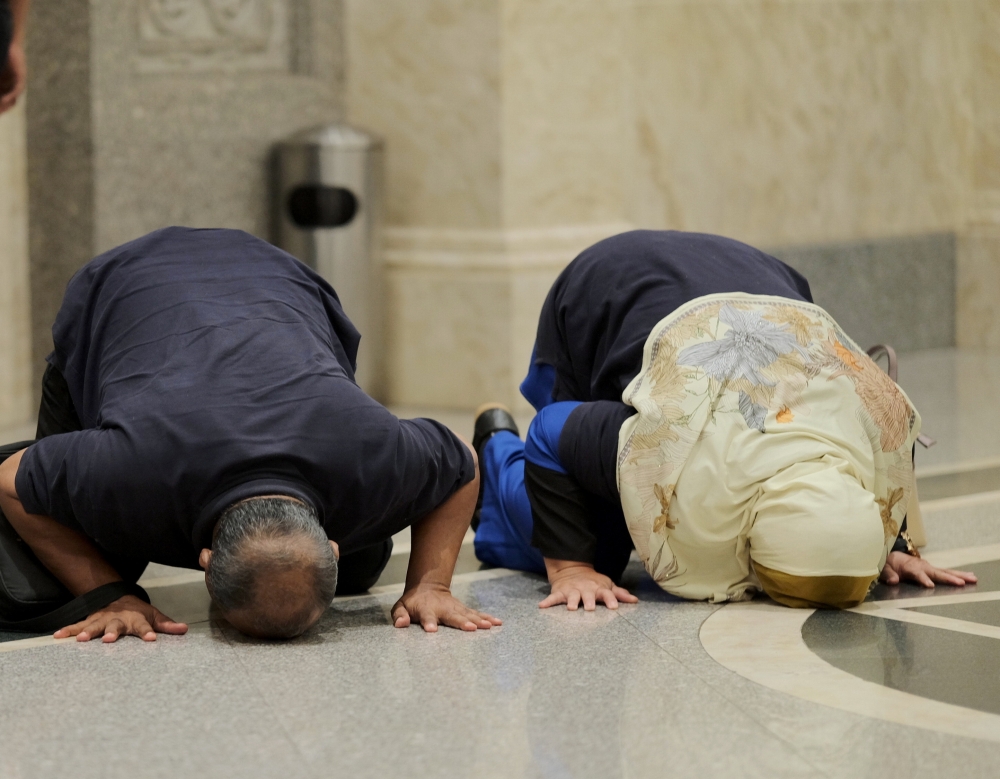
{"type": "Point", "coordinates": [200, 409]}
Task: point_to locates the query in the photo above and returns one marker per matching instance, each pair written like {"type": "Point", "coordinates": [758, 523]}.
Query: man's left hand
{"type": "Point", "coordinates": [901, 567]}
{"type": "Point", "coordinates": [432, 605]}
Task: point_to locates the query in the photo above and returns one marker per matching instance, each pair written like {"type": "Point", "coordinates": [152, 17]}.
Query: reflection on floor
{"type": "Point", "coordinates": [906, 685]}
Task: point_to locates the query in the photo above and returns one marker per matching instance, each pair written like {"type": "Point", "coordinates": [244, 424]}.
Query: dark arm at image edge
{"type": "Point", "coordinates": [561, 528]}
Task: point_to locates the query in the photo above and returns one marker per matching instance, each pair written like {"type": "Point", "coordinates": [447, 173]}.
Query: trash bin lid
{"type": "Point", "coordinates": [338, 136]}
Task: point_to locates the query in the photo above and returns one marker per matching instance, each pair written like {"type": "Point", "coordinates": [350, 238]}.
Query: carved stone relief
{"type": "Point", "coordinates": [186, 35]}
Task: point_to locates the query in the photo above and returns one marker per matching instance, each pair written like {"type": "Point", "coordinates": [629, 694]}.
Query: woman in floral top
{"type": "Point", "coordinates": [696, 406]}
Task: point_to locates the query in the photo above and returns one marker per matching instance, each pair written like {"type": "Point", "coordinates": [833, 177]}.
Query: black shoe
{"type": "Point", "coordinates": [490, 420]}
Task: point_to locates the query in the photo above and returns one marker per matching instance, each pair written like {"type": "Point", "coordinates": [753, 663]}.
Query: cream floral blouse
{"type": "Point", "coordinates": [763, 433]}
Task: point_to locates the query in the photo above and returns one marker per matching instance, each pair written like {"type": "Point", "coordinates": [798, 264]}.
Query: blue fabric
{"type": "Point", "coordinates": [542, 445]}
{"type": "Point", "coordinates": [538, 384]}
{"type": "Point", "coordinates": [503, 537]}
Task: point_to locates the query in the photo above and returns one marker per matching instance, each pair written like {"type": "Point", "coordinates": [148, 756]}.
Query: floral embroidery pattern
{"type": "Point", "coordinates": [766, 360]}
{"type": "Point", "coordinates": [663, 494]}
{"type": "Point", "coordinates": [881, 397]}
{"type": "Point", "coordinates": [886, 506]}
{"type": "Point", "coordinates": [751, 344]}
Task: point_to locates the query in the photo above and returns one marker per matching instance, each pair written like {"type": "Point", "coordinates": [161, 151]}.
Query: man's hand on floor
{"type": "Point", "coordinates": [127, 616]}
{"type": "Point", "coordinates": [575, 582]}
{"type": "Point", "coordinates": [432, 605]}
{"type": "Point", "coordinates": [435, 543]}
{"type": "Point", "coordinates": [901, 567]}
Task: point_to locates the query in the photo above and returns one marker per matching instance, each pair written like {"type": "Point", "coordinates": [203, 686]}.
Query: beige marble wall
{"type": "Point", "coordinates": [566, 118]}
{"type": "Point", "coordinates": [15, 293]}
{"type": "Point", "coordinates": [796, 122]}
{"type": "Point", "coordinates": [978, 312]}
{"type": "Point", "coordinates": [779, 122]}
{"type": "Point", "coordinates": [426, 76]}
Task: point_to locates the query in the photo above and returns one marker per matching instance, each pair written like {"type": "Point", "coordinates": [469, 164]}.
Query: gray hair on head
{"type": "Point", "coordinates": [260, 545]}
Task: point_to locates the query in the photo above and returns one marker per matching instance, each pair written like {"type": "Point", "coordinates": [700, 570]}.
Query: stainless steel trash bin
{"type": "Point", "coordinates": [326, 206]}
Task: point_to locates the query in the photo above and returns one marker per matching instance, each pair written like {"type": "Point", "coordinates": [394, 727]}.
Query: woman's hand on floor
{"type": "Point", "coordinates": [901, 567]}
{"type": "Point", "coordinates": [127, 616]}
{"type": "Point", "coordinates": [573, 583]}
{"type": "Point", "coordinates": [431, 605]}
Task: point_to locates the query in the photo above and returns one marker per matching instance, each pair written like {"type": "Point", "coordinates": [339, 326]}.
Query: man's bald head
{"type": "Point", "coordinates": [272, 571]}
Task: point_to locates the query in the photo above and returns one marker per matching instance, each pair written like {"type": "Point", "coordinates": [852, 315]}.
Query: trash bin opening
{"type": "Point", "coordinates": [316, 205]}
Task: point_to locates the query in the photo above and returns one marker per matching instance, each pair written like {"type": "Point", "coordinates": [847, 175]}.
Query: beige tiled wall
{"type": "Point", "coordinates": [529, 125]}
{"type": "Point", "coordinates": [426, 76]}
{"type": "Point", "coordinates": [978, 277]}
{"type": "Point", "coordinates": [15, 336]}
{"type": "Point", "coordinates": [566, 123]}
{"type": "Point", "coordinates": [800, 122]}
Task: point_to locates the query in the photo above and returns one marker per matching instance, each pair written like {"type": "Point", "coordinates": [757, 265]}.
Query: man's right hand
{"type": "Point", "coordinates": [127, 616]}
{"type": "Point", "coordinates": [574, 582]}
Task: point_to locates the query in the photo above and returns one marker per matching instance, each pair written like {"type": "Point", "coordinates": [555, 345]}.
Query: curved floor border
{"type": "Point", "coordinates": [763, 642]}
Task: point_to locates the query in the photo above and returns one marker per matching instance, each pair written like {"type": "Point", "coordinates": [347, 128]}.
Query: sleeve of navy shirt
{"type": "Point", "coordinates": [571, 455]}
{"type": "Point", "coordinates": [207, 366]}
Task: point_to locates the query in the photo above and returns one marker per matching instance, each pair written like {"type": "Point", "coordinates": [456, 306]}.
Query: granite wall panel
{"type": "Point", "coordinates": [182, 130]}
{"type": "Point", "coordinates": [146, 113]}
{"type": "Point", "coordinates": [899, 291]}
{"type": "Point", "coordinates": [60, 159]}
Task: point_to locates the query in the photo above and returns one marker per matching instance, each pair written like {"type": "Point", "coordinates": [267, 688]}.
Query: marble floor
{"type": "Point", "coordinates": [906, 685]}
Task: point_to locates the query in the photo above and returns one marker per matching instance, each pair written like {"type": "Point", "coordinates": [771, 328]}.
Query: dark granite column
{"type": "Point", "coordinates": [60, 159]}
{"type": "Point", "coordinates": [144, 114]}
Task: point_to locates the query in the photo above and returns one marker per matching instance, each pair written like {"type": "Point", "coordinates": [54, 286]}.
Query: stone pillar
{"type": "Point", "coordinates": [149, 113]}
{"type": "Point", "coordinates": [60, 159]}
{"type": "Point", "coordinates": [503, 132]}
{"type": "Point", "coordinates": [15, 327]}
{"type": "Point", "coordinates": [978, 302]}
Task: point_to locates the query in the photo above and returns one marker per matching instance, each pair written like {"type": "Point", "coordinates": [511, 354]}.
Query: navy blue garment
{"type": "Point", "coordinates": [207, 366]}
{"type": "Point", "coordinates": [538, 384]}
{"type": "Point", "coordinates": [603, 306]}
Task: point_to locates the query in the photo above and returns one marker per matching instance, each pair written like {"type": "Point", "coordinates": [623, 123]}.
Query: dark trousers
{"type": "Point", "coordinates": [56, 414]}
{"type": "Point", "coordinates": [6, 32]}
{"type": "Point", "coordinates": [359, 570]}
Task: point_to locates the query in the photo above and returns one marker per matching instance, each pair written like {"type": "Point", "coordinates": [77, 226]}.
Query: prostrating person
{"type": "Point", "coordinates": [200, 409]}
{"type": "Point", "coordinates": [696, 406]}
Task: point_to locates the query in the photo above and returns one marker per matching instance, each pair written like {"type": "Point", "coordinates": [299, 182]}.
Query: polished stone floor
{"type": "Point", "coordinates": [905, 686]}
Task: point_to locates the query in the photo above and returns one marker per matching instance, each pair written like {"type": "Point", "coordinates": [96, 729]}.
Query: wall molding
{"type": "Point", "coordinates": [511, 249]}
